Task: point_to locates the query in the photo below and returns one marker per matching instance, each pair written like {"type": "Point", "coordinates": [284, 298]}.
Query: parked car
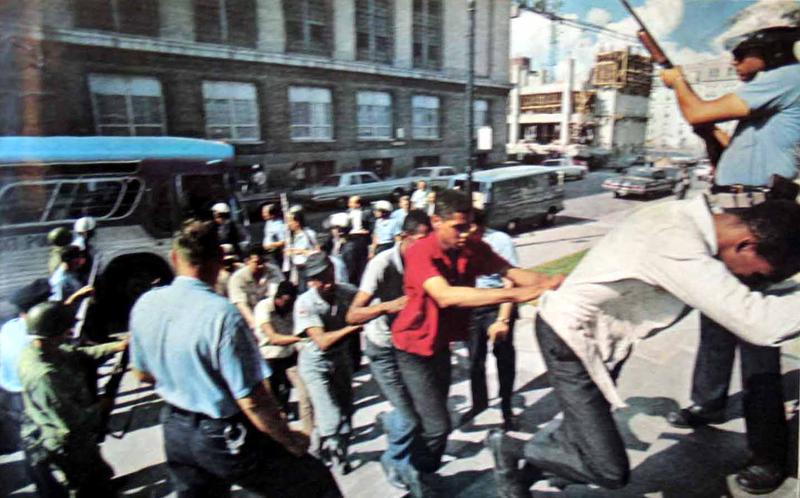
{"type": "Point", "coordinates": [626, 162]}
{"type": "Point", "coordinates": [703, 171]}
{"type": "Point", "coordinates": [514, 195]}
{"type": "Point", "coordinates": [641, 181]}
{"type": "Point", "coordinates": [574, 169]}
{"type": "Point", "coordinates": [436, 176]}
{"type": "Point", "coordinates": [337, 188]}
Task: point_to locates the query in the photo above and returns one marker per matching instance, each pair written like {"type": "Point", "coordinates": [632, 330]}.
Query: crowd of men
{"type": "Point", "coordinates": [241, 328]}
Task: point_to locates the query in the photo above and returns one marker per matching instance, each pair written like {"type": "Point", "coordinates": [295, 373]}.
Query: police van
{"type": "Point", "coordinates": [138, 189]}
{"type": "Point", "coordinates": [516, 195]}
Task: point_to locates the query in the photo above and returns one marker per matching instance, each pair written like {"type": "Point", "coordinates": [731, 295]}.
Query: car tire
{"type": "Point", "coordinates": [549, 217]}
{"type": "Point", "coordinates": [616, 195]}
{"type": "Point", "coordinates": [341, 203]}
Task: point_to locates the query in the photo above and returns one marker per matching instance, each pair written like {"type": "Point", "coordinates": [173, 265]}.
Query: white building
{"type": "Point", "coordinates": [667, 130]}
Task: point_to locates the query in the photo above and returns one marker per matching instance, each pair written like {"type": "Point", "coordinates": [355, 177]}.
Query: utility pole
{"type": "Point", "coordinates": [469, 96]}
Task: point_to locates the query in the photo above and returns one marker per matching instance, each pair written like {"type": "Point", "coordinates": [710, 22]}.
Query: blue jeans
{"type": "Point", "coordinates": [206, 456]}
{"type": "Point", "coordinates": [401, 423]}
{"type": "Point", "coordinates": [328, 377]}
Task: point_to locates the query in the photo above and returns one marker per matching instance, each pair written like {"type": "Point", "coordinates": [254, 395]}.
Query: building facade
{"type": "Point", "coordinates": [301, 87]}
{"type": "Point", "coordinates": [667, 130]}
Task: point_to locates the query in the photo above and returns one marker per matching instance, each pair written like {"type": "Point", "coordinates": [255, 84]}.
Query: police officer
{"type": "Point", "coordinates": [57, 238]}
{"type": "Point", "coordinates": [761, 152]}
{"type": "Point", "coordinates": [222, 424]}
{"type": "Point", "coordinates": [63, 418]}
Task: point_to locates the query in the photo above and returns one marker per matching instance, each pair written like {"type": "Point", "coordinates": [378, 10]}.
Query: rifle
{"type": "Point", "coordinates": [112, 389]}
{"type": "Point", "coordinates": [287, 259]}
{"type": "Point", "coordinates": [707, 132]}
{"type": "Point", "coordinates": [83, 309]}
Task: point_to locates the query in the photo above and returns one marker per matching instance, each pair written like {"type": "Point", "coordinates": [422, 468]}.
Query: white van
{"type": "Point", "coordinates": [516, 195]}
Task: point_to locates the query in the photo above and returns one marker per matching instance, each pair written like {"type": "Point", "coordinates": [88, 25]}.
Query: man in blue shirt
{"type": "Point", "coordinates": [764, 144]}
{"type": "Point", "coordinates": [494, 323]}
{"type": "Point", "coordinates": [65, 281]}
{"type": "Point", "coordinates": [222, 424]}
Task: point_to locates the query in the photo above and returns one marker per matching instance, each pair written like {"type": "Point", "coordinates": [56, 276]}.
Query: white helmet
{"type": "Point", "coordinates": [340, 220]}
{"type": "Point", "coordinates": [382, 206]}
{"type": "Point", "coordinates": [85, 224]}
{"type": "Point", "coordinates": [221, 208]}
{"type": "Point", "coordinates": [295, 208]}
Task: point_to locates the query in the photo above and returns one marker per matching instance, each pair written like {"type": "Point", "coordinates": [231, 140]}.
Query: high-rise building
{"type": "Point", "coordinates": [303, 86]}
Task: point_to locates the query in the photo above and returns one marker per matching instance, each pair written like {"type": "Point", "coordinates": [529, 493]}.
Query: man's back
{"type": "Point", "coordinates": [187, 332]}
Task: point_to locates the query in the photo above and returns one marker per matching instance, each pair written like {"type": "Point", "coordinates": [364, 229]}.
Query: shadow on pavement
{"type": "Point", "coordinates": [150, 482]}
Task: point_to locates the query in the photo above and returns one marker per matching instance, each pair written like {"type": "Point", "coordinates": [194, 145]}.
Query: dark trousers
{"type": "Point", "coordinates": [504, 354]}
{"type": "Point", "coordinates": [762, 390]}
{"type": "Point", "coordinates": [206, 456]}
{"type": "Point", "coordinates": [587, 446]}
{"type": "Point", "coordinates": [279, 381]}
{"type": "Point", "coordinates": [427, 379]}
{"type": "Point", "coordinates": [10, 421]}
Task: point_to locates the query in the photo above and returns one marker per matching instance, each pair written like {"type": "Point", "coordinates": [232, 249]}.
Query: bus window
{"type": "Point", "coordinates": [200, 192]}
{"type": "Point", "coordinates": [24, 202]}
{"type": "Point", "coordinates": [96, 198]}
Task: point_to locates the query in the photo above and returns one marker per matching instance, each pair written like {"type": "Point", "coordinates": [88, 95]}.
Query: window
{"type": "Point", "coordinates": [124, 16]}
{"type": "Point", "coordinates": [374, 115]}
{"type": "Point", "coordinates": [231, 110]}
{"type": "Point", "coordinates": [57, 201]}
{"type": "Point", "coordinates": [427, 34]}
{"type": "Point", "coordinates": [425, 116]}
{"type": "Point", "coordinates": [226, 21]}
{"type": "Point", "coordinates": [308, 26]}
{"type": "Point", "coordinates": [481, 114]}
{"type": "Point", "coordinates": [713, 72]}
{"type": "Point", "coordinates": [311, 113]}
{"type": "Point", "coordinates": [368, 179]}
{"type": "Point", "coordinates": [420, 161]}
{"type": "Point", "coordinates": [374, 30]}
{"type": "Point", "coordinates": [127, 105]}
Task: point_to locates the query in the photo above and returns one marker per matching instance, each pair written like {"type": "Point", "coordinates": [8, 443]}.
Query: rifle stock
{"type": "Point", "coordinates": [111, 389]}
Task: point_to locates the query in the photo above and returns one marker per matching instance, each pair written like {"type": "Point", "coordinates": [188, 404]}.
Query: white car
{"type": "Point", "coordinates": [573, 169]}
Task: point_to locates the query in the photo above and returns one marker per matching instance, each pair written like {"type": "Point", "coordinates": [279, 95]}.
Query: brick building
{"type": "Point", "coordinates": [307, 86]}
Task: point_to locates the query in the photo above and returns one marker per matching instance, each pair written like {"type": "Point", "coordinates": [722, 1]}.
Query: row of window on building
{"type": "Point", "coordinates": [134, 106]}
{"type": "Point", "coordinates": [308, 25]}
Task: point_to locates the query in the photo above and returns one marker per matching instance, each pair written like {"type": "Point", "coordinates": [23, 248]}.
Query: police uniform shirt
{"type": "Point", "coordinates": [765, 142]}
{"type": "Point", "coordinates": [274, 231]}
{"type": "Point", "coordinates": [385, 230]}
{"type": "Point", "coordinates": [502, 244]}
{"type": "Point", "coordinates": [311, 310]}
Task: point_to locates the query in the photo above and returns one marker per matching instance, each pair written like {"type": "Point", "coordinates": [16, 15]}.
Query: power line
{"type": "Point", "coordinates": [584, 25]}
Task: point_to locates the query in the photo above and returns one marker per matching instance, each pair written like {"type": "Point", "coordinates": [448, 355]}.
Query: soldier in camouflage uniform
{"type": "Point", "coordinates": [63, 418]}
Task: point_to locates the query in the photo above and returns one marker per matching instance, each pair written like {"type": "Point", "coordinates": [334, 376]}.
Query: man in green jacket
{"type": "Point", "coordinates": [63, 417]}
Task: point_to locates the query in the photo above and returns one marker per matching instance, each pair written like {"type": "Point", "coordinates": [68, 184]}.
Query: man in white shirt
{"type": "Point", "coordinates": [419, 198]}
{"type": "Point", "coordinates": [639, 279]}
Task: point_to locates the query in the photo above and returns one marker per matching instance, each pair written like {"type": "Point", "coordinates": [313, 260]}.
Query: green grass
{"type": "Point", "coordinates": [564, 264]}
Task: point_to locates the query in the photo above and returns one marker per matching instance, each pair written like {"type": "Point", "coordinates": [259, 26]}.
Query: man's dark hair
{"type": "Point", "coordinates": [299, 217]}
{"type": "Point", "coordinates": [69, 253]}
{"type": "Point", "coordinates": [450, 202]}
{"type": "Point", "coordinates": [286, 288]}
{"type": "Point", "coordinates": [415, 219]}
{"type": "Point", "coordinates": [479, 217]}
{"type": "Point", "coordinates": [255, 249]}
{"type": "Point", "coordinates": [776, 224]}
{"type": "Point", "coordinates": [272, 209]}
{"type": "Point", "coordinates": [197, 242]}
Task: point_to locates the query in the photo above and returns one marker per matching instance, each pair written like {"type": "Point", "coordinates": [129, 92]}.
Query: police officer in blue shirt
{"type": "Point", "coordinates": [222, 424]}
{"type": "Point", "coordinates": [761, 152]}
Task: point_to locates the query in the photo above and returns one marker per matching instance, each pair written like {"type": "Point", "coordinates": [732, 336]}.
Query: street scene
{"type": "Point", "coordinates": [428, 248]}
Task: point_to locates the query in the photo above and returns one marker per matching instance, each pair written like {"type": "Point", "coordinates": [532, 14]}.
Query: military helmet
{"type": "Point", "coordinates": [49, 319]}
{"type": "Point", "coordinates": [85, 224]}
{"type": "Point", "coordinates": [779, 44]}
{"type": "Point", "coordinates": [60, 237]}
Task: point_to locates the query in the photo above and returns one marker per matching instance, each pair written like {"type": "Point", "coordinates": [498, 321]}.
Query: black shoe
{"type": "Point", "coordinates": [760, 479]}
{"type": "Point", "coordinates": [506, 474]}
{"type": "Point", "coordinates": [695, 416]}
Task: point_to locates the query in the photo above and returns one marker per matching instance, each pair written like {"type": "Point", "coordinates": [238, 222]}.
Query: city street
{"type": "Point", "coordinates": [666, 462]}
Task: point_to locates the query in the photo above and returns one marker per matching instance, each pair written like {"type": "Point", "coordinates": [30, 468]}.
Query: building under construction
{"type": "Point", "coordinates": [630, 73]}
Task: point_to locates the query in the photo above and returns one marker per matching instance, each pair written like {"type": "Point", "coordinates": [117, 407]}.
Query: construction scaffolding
{"type": "Point", "coordinates": [629, 73]}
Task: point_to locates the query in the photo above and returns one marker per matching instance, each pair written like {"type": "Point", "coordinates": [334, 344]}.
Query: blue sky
{"type": "Point", "coordinates": [688, 30]}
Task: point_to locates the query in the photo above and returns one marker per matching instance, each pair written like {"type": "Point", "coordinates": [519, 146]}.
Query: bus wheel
{"type": "Point", "coordinates": [550, 217]}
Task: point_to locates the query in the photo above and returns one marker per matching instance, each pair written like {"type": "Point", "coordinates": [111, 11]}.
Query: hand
{"type": "Point", "coordinates": [122, 345]}
{"type": "Point", "coordinates": [299, 443]}
{"type": "Point", "coordinates": [395, 305]}
{"type": "Point", "coordinates": [671, 76]}
{"type": "Point", "coordinates": [498, 331]}
{"type": "Point", "coordinates": [554, 282]}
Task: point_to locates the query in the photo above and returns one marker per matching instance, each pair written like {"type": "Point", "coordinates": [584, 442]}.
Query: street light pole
{"type": "Point", "coordinates": [470, 89]}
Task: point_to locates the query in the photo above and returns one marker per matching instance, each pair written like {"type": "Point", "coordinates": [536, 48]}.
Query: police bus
{"type": "Point", "coordinates": [138, 189]}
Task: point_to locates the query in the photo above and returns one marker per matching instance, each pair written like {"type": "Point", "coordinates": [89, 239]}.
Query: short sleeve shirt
{"type": "Point", "coordinates": [274, 231]}
{"type": "Point", "coordinates": [503, 245]}
{"type": "Point", "coordinates": [63, 284]}
{"type": "Point", "coordinates": [423, 328]}
{"type": "Point", "coordinates": [377, 330]}
{"type": "Point", "coordinates": [766, 142]}
{"type": "Point", "coordinates": [311, 310]}
{"type": "Point", "coordinates": [14, 338]}
{"type": "Point", "coordinates": [264, 312]}
{"type": "Point", "coordinates": [197, 346]}
{"type": "Point", "coordinates": [385, 230]}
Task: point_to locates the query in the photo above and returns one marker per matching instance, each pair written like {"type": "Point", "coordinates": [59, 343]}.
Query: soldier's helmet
{"type": "Point", "coordinates": [49, 319]}
{"type": "Point", "coordinates": [59, 237]}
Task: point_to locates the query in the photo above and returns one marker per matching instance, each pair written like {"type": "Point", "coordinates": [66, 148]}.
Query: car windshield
{"type": "Point", "coordinates": [552, 162]}
{"type": "Point", "coordinates": [420, 172]}
{"type": "Point", "coordinates": [331, 181]}
{"type": "Point", "coordinates": [646, 173]}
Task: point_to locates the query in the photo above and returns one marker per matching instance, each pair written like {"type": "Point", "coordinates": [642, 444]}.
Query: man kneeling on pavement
{"type": "Point", "coordinates": [639, 279]}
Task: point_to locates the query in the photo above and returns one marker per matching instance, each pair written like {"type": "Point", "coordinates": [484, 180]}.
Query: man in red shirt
{"type": "Point", "coordinates": [440, 285]}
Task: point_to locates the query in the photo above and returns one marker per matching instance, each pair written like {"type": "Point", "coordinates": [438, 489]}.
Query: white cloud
{"type": "Point", "coordinates": [761, 14]}
{"type": "Point", "coordinates": [601, 17]}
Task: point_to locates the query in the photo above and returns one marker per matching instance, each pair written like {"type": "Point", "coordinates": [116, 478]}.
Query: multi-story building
{"type": "Point", "coordinates": [308, 86]}
{"type": "Point", "coordinates": [607, 113]}
{"type": "Point", "coordinates": [666, 129]}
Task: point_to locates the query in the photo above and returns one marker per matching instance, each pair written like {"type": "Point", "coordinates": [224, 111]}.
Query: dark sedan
{"type": "Point", "coordinates": [640, 181]}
